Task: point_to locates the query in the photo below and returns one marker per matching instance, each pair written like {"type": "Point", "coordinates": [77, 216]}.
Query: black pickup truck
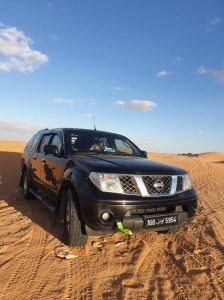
{"type": "Point", "coordinates": [94, 180]}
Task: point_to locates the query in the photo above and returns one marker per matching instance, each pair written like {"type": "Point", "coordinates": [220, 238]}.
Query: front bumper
{"type": "Point", "coordinates": [136, 223]}
{"type": "Point", "coordinates": [131, 210]}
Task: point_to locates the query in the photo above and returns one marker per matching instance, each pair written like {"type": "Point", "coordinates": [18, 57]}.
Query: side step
{"type": "Point", "coordinates": [46, 201]}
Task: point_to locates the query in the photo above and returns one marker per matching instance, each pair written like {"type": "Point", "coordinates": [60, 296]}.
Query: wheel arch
{"type": "Point", "coordinates": [66, 184]}
{"type": "Point", "coordinates": [24, 168]}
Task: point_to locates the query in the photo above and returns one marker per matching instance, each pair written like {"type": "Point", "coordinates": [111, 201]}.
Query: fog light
{"type": "Point", "coordinates": [107, 216]}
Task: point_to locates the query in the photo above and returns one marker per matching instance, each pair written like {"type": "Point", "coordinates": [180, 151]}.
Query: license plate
{"type": "Point", "coordinates": [159, 221]}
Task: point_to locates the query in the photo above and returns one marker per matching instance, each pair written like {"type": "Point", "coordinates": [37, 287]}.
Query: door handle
{"type": "Point", "coordinates": [43, 161]}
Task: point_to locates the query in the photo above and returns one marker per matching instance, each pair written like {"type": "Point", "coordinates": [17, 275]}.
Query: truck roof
{"type": "Point", "coordinates": [46, 130]}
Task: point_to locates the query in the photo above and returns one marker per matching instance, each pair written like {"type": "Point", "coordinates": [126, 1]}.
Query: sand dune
{"type": "Point", "coordinates": [12, 146]}
{"type": "Point", "coordinates": [10, 155]}
{"type": "Point", "coordinates": [186, 265]}
{"type": "Point", "coordinates": [212, 156]}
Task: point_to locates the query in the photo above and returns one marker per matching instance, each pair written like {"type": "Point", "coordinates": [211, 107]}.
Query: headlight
{"type": "Point", "coordinates": [187, 183]}
{"type": "Point", "coordinates": [106, 182]}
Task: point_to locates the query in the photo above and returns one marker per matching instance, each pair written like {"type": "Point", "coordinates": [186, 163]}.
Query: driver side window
{"type": "Point", "coordinates": [45, 141]}
{"type": "Point", "coordinates": [57, 142]}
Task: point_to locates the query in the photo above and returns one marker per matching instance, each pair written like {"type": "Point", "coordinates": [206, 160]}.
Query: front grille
{"type": "Point", "coordinates": [128, 184]}
{"type": "Point", "coordinates": [157, 185]}
{"type": "Point", "coordinates": [151, 185]}
{"type": "Point", "coordinates": [180, 182]}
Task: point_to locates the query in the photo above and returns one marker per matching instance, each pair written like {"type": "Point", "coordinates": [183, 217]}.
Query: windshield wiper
{"type": "Point", "coordinates": [123, 154]}
{"type": "Point", "coordinates": [126, 154]}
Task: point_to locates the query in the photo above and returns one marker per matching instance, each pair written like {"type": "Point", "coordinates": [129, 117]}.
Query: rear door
{"type": "Point", "coordinates": [28, 154]}
{"type": "Point", "coordinates": [54, 166]}
{"type": "Point", "coordinates": [38, 160]}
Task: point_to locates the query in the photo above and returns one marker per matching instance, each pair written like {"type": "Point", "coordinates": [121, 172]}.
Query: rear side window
{"type": "Point", "coordinates": [35, 141]}
{"type": "Point", "coordinates": [31, 145]}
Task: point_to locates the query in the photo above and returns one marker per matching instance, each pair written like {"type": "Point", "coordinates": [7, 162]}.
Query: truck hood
{"type": "Point", "coordinates": [125, 165]}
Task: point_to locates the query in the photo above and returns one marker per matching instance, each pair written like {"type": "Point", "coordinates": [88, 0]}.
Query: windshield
{"type": "Point", "coordinates": [100, 143]}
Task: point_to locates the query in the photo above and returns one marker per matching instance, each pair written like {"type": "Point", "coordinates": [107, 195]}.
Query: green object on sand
{"type": "Point", "coordinates": [122, 229]}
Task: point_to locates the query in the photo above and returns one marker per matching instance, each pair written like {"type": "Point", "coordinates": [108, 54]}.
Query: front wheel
{"type": "Point", "coordinates": [73, 226]}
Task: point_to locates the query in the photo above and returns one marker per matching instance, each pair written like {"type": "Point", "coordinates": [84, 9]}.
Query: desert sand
{"type": "Point", "coordinates": [185, 265]}
{"type": "Point", "coordinates": [215, 157]}
{"type": "Point", "coordinates": [12, 146]}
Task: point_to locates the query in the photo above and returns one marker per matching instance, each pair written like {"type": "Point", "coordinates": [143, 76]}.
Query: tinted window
{"type": "Point", "coordinates": [57, 142]}
{"type": "Point", "coordinates": [37, 138]}
{"type": "Point", "coordinates": [102, 142]}
{"type": "Point", "coordinates": [33, 142]}
{"type": "Point", "coordinates": [123, 146]}
{"type": "Point", "coordinates": [45, 141]}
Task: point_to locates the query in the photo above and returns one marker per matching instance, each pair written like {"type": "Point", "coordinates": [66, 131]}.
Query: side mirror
{"type": "Point", "coordinates": [144, 153]}
{"type": "Point", "coordinates": [51, 149]}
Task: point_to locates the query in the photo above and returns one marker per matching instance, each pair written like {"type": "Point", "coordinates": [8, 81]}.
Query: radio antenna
{"type": "Point", "coordinates": [93, 122]}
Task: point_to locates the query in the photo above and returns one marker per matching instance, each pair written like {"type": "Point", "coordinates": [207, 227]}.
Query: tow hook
{"type": "Point", "coordinates": [122, 229]}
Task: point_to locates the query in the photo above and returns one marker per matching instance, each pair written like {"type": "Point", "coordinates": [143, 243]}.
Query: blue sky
{"type": "Point", "coordinates": [151, 70]}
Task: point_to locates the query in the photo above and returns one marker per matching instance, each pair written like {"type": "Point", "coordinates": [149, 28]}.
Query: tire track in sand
{"type": "Point", "coordinates": [142, 267]}
{"type": "Point", "coordinates": [27, 270]}
{"type": "Point", "coordinates": [205, 262]}
{"type": "Point", "coordinates": [79, 277]}
{"type": "Point", "coordinates": [19, 268]}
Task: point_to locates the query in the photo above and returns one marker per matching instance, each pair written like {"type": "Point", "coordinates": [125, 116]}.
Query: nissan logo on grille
{"type": "Point", "coordinates": [158, 185]}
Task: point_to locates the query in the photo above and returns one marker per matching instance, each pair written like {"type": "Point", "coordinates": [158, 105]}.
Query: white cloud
{"type": "Point", "coordinates": [67, 101]}
{"type": "Point", "coordinates": [119, 88]}
{"type": "Point", "coordinates": [54, 36]}
{"type": "Point", "coordinates": [15, 130]}
{"type": "Point", "coordinates": [15, 47]}
{"type": "Point", "coordinates": [59, 100]}
{"type": "Point", "coordinates": [141, 105]}
{"type": "Point", "coordinates": [49, 4]}
{"type": "Point", "coordinates": [214, 22]}
{"type": "Point", "coordinates": [203, 70]}
{"type": "Point", "coordinates": [163, 73]}
{"type": "Point", "coordinates": [178, 59]}
{"type": "Point", "coordinates": [218, 75]}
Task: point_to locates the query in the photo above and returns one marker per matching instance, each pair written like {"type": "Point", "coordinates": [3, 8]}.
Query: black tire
{"type": "Point", "coordinates": [26, 186]}
{"type": "Point", "coordinates": [73, 226]}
